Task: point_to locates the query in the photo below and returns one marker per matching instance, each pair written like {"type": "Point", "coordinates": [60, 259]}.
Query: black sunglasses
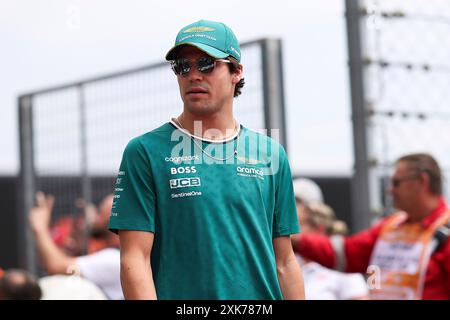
{"type": "Point", "coordinates": [395, 182]}
{"type": "Point", "coordinates": [182, 66]}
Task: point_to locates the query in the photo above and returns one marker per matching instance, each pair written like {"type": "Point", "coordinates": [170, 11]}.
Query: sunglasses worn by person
{"type": "Point", "coordinates": [395, 182]}
{"type": "Point", "coordinates": [183, 66]}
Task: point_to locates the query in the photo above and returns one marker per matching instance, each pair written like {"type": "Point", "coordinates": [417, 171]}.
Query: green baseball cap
{"type": "Point", "coordinates": [214, 38]}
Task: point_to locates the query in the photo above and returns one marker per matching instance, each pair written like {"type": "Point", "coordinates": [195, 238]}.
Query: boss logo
{"type": "Point", "coordinates": [184, 183]}
{"type": "Point", "coordinates": [176, 170]}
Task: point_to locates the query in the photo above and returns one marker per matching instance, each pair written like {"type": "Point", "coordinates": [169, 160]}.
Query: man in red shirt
{"type": "Point", "coordinates": [408, 252]}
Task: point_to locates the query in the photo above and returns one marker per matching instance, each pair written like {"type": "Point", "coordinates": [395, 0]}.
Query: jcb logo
{"type": "Point", "coordinates": [184, 183]}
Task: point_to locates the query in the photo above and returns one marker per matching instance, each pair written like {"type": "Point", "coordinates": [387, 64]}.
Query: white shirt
{"type": "Point", "coordinates": [62, 287]}
{"type": "Point", "coordinates": [103, 269]}
{"type": "Point", "coordinates": [325, 284]}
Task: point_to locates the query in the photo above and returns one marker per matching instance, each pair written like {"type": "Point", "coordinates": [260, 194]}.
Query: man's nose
{"type": "Point", "coordinates": [194, 74]}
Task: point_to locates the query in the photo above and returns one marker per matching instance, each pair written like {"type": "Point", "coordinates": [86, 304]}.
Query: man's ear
{"type": "Point", "coordinates": [237, 75]}
{"type": "Point", "coordinates": [425, 179]}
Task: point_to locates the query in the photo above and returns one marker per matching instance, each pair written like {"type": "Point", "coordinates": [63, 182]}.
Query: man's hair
{"type": "Point", "coordinates": [425, 163]}
{"type": "Point", "coordinates": [19, 285]}
{"type": "Point", "coordinates": [233, 66]}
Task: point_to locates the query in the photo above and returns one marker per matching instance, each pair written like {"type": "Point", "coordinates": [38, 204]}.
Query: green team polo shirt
{"type": "Point", "coordinates": [213, 220]}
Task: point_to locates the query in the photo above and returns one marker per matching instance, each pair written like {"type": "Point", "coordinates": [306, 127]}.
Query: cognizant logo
{"type": "Point", "coordinates": [250, 171]}
{"type": "Point", "coordinates": [180, 159]}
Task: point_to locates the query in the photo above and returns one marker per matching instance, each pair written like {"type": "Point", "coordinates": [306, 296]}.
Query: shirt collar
{"type": "Point", "coordinates": [434, 215]}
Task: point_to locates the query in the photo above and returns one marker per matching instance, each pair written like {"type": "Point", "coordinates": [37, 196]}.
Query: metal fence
{"type": "Point", "coordinates": [400, 77]}
{"type": "Point", "coordinates": [72, 136]}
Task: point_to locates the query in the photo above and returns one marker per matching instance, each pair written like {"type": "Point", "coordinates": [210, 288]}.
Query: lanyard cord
{"type": "Point", "coordinates": [210, 155]}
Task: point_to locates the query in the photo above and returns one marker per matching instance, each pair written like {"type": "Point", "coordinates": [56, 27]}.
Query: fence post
{"type": "Point", "coordinates": [86, 188]}
{"type": "Point", "coordinates": [365, 184]}
{"type": "Point", "coordinates": [273, 88]}
{"type": "Point", "coordinates": [27, 253]}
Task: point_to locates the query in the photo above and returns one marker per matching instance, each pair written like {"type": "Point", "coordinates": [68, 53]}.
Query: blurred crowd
{"type": "Point", "coordinates": [79, 256]}
{"type": "Point", "coordinates": [316, 217]}
{"type": "Point", "coordinates": [405, 255]}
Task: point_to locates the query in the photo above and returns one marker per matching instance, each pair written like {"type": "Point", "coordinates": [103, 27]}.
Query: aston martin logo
{"type": "Point", "coordinates": [198, 29]}
{"type": "Point", "coordinates": [248, 160]}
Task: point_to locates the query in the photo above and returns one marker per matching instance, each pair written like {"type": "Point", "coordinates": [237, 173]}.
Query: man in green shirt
{"type": "Point", "coordinates": [204, 207]}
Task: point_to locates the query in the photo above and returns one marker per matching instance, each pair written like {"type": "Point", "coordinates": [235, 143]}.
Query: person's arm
{"type": "Point", "coordinates": [135, 269]}
{"type": "Point", "coordinates": [289, 273]}
{"type": "Point", "coordinates": [343, 253]}
{"type": "Point", "coordinates": [446, 261]}
{"type": "Point", "coordinates": [54, 260]}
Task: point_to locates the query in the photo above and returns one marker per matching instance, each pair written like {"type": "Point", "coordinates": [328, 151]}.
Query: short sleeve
{"type": "Point", "coordinates": [285, 217]}
{"type": "Point", "coordinates": [134, 197]}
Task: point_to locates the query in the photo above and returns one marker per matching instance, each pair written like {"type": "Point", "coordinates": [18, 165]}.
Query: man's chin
{"type": "Point", "coordinates": [200, 109]}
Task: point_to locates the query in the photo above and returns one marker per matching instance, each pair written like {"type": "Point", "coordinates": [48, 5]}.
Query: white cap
{"type": "Point", "coordinates": [307, 191]}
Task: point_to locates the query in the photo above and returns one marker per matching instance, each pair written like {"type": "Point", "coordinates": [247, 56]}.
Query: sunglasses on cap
{"type": "Point", "coordinates": [182, 66]}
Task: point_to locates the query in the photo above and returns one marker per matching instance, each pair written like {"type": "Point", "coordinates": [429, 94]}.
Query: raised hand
{"type": "Point", "coordinates": [41, 214]}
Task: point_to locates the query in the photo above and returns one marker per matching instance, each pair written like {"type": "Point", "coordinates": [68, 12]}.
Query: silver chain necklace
{"type": "Point", "coordinates": [207, 154]}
